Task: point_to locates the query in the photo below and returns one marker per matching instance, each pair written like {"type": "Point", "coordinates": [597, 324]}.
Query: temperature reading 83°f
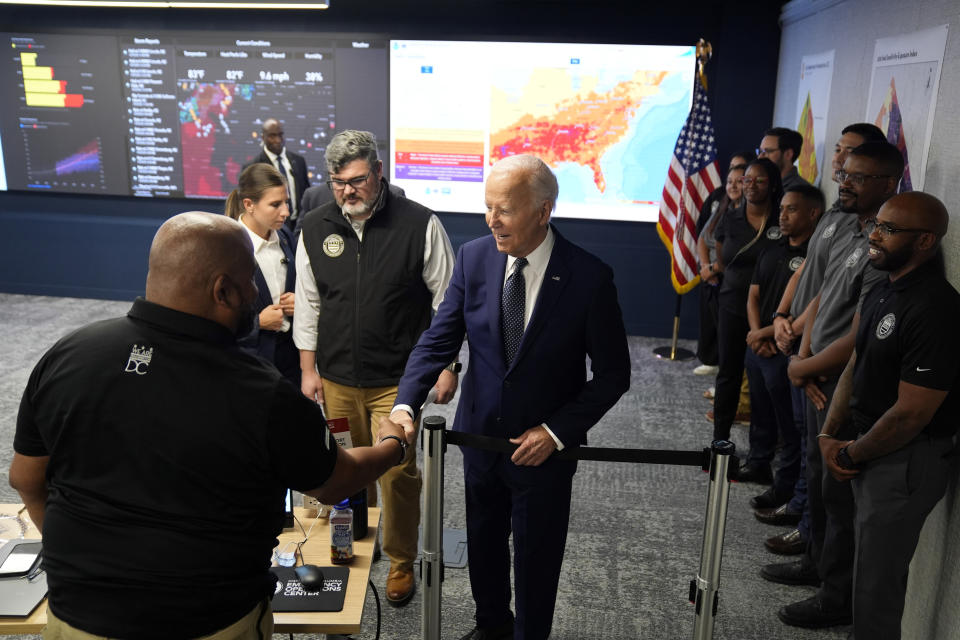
{"type": "Point", "coordinates": [234, 74]}
{"type": "Point", "coordinates": [275, 76]}
{"type": "Point", "coordinates": [314, 76]}
{"type": "Point", "coordinates": [195, 74]}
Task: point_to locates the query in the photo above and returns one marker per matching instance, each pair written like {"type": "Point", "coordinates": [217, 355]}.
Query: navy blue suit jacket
{"type": "Point", "coordinates": [576, 315]}
{"type": "Point", "coordinates": [264, 343]}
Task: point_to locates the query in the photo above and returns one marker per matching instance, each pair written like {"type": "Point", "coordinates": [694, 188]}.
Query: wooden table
{"type": "Point", "coordinates": [315, 551]}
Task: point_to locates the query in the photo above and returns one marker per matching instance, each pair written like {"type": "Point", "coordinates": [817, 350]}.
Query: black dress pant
{"type": "Point", "coordinates": [709, 308]}
{"type": "Point", "coordinates": [732, 329]}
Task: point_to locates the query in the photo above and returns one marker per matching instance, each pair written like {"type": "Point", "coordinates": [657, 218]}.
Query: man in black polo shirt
{"type": "Point", "coordinates": [153, 453]}
{"type": "Point", "coordinates": [771, 408]}
{"type": "Point", "coordinates": [899, 397]}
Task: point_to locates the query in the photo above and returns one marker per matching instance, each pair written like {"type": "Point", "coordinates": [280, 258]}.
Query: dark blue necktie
{"type": "Point", "coordinates": [512, 308]}
{"type": "Point", "coordinates": [283, 172]}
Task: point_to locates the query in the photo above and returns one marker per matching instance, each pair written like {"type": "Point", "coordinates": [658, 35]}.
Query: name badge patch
{"type": "Point", "coordinates": [333, 245]}
{"type": "Point", "coordinates": [886, 325]}
{"type": "Point", "coordinates": [854, 257]}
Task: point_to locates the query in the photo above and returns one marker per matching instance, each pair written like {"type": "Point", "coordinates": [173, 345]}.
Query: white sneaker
{"type": "Point", "coordinates": [710, 393]}
{"type": "Point", "coordinates": [706, 370]}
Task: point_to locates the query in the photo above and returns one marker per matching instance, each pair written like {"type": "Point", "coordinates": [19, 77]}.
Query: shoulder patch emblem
{"type": "Point", "coordinates": [886, 325]}
{"type": "Point", "coordinates": [829, 231]}
{"type": "Point", "coordinates": [333, 245]}
{"type": "Point", "coordinates": [774, 233]}
{"type": "Point", "coordinates": [795, 263]}
{"type": "Point", "coordinates": [854, 257]}
{"type": "Point", "coordinates": [139, 360]}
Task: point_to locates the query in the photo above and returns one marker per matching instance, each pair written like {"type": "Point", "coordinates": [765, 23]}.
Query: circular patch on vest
{"type": "Point", "coordinates": [774, 233]}
{"type": "Point", "coordinates": [885, 326]}
{"type": "Point", "coordinates": [333, 245]}
{"type": "Point", "coordinates": [829, 231]}
{"type": "Point", "coordinates": [854, 257]}
{"type": "Point", "coordinates": [795, 263]}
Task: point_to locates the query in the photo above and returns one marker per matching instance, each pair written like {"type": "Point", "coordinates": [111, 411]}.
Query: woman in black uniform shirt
{"type": "Point", "coordinates": [741, 235]}
{"type": "Point", "coordinates": [260, 204]}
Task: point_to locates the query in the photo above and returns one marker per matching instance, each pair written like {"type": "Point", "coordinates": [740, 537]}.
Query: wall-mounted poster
{"type": "Point", "coordinates": [813, 102]}
{"type": "Point", "coordinates": [903, 95]}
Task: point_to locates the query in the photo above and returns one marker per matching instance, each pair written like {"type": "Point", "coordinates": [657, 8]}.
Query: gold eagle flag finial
{"type": "Point", "coordinates": [704, 53]}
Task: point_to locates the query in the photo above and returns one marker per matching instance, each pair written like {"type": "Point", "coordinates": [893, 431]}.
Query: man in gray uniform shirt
{"type": "Point", "coordinates": [869, 177]}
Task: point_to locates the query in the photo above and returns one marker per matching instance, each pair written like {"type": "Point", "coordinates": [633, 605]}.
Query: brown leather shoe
{"type": "Point", "coordinates": [400, 586]}
{"type": "Point", "coordinates": [786, 544]}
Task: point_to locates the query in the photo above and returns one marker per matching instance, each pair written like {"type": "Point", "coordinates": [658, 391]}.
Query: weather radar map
{"type": "Point", "coordinates": [604, 117]}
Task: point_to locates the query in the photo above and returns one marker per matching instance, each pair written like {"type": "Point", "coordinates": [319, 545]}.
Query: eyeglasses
{"type": "Point", "coordinates": [765, 152]}
{"type": "Point", "coordinates": [856, 179]}
{"type": "Point", "coordinates": [758, 181]}
{"type": "Point", "coordinates": [339, 185]}
{"type": "Point", "coordinates": [886, 230]}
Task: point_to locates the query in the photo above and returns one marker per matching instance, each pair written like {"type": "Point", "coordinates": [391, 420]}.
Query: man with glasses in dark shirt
{"type": "Point", "coordinates": [897, 406]}
{"type": "Point", "coordinates": [869, 178]}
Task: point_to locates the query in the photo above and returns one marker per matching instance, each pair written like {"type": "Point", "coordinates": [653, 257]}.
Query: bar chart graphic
{"type": "Point", "coordinates": [41, 88]}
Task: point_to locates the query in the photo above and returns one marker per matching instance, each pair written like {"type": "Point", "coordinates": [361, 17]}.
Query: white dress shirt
{"type": "Point", "coordinates": [438, 260]}
{"type": "Point", "coordinates": [272, 265]}
{"type": "Point", "coordinates": [291, 183]}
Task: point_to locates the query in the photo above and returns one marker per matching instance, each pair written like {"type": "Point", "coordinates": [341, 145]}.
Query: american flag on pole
{"type": "Point", "coordinates": [693, 174]}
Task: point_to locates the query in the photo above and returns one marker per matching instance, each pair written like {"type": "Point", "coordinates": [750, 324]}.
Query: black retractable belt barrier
{"type": "Point", "coordinates": [718, 459]}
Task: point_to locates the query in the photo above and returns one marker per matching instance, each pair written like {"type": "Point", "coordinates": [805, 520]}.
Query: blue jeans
{"type": "Point", "coordinates": [771, 411]}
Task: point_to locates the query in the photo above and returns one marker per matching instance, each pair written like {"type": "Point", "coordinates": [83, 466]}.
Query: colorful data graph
{"type": "Point", "coordinates": [85, 159]}
{"type": "Point", "coordinates": [41, 89]}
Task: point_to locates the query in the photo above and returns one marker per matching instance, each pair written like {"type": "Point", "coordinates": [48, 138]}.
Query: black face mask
{"type": "Point", "coordinates": [245, 320]}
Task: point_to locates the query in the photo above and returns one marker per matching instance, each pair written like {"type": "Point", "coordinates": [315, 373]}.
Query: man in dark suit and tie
{"type": "Point", "coordinates": [290, 165]}
{"type": "Point", "coordinates": [533, 306]}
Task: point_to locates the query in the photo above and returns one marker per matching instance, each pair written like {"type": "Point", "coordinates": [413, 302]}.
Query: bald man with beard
{"type": "Point", "coordinates": [899, 394]}
{"type": "Point", "coordinates": [154, 454]}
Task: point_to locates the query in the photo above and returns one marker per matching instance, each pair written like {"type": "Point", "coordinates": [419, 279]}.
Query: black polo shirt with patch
{"type": "Point", "coordinates": [170, 452]}
{"type": "Point", "coordinates": [908, 332]}
{"type": "Point", "coordinates": [742, 245]}
{"type": "Point", "coordinates": [775, 266]}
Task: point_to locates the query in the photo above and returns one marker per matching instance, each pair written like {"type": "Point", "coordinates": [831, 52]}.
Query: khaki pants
{"type": "Point", "coordinates": [363, 408]}
{"type": "Point", "coordinates": [256, 625]}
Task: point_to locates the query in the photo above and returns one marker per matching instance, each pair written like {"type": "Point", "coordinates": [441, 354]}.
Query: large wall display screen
{"type": "Point", "coordinates": [604, 117]}
{"type": "Point", "coordinates": [168, 115]}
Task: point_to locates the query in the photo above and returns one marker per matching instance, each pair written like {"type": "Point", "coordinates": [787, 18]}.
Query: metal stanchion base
{"type": "Point", "coordinates": [681, 354]}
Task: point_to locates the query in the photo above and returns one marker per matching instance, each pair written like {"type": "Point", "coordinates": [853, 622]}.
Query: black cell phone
{"type": "Point", "coordinates": [22, 559]}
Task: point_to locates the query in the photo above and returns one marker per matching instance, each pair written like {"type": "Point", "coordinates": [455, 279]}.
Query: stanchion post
{"type": "Point", "coordinates": [434, 445]}
{"type": "Point", "coordinates": [704, 590]}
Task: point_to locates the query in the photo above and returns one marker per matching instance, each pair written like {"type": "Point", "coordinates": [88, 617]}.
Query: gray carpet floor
{"type": "Point", "coordinates": [635, 530]}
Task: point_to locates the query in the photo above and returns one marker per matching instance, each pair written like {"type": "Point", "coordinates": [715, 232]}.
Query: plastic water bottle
{"type": "Point", "coordinates": [341, 533]}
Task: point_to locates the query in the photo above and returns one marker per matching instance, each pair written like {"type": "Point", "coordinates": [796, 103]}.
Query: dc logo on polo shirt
{"type": "Point", "coordinates": [139, 360]}
{"type": "Point", "coordinates": [854, 257]}
{"type": "Point", "coordinates": [795, 263]}
{"type": "Point", "coordinates": [774, 233]}
{"type": "Point", "coordinates": [333, 245]}
{"type": "Point", "coordinates": [829, 231]}
{"type": "Point", "coordinates": [886, 325]}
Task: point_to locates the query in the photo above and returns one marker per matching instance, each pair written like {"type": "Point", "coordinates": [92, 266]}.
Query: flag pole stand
{"type": "Point", "coordinates": [673, 352]}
